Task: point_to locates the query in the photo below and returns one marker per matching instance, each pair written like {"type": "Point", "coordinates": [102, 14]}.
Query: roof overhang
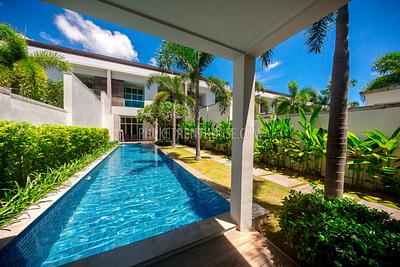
{"type": "Point", "coordinates": [221, 27]}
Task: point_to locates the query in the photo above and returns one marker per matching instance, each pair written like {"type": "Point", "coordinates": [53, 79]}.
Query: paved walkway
{"type": "Point", "coordinates": [287, 181]}
{"type": "Point", "coordinates": [233, 248]}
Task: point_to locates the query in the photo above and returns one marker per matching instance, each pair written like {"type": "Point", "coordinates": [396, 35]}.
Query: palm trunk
{"type": "Point", "coordinates": [337, 129]}
{"type": "Point", "coordinates": [197, 119]}
{"type": "Point", "coordinates": [174, 125]}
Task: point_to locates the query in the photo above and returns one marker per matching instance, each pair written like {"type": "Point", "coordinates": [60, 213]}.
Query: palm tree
{"type": "Point", "coordinates": [337, 130]}
{"type": "Point", "coordinates": [324, 97]}
{"type": "Point", "coordinates": [316, 35]}
{"type": "Point", "coordinates": [298, 98]}
{"type": "Point", "coordinates": [25, 73]}
{"type": "Point", "coordinates": [169, 87]}
{"type": "Point", "coordinates": [388, 67]}
{"type": "Point", "coordinates": [193, 63]}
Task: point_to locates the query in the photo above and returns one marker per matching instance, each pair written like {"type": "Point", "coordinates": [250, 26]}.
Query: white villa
{"type": "Point", "coordinates": [103, 91]}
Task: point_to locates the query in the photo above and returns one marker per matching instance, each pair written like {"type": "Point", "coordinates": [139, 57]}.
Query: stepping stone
{"type": "Point", "coordinates": [282, 180]}
{"type": "Point", "coordinates": [261, 172]}
{"type": "Point", "coordinates": [304, 189]}
{"type": "Point", "coordinates": [259, 215]}
{"type": "Point", "coordinates": [393, 212]}
{"type": "Point", "coordinates": [221, 160]}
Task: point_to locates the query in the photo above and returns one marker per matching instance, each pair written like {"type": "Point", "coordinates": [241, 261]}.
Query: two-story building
{"type": "Point", "coordinates": [118, 84]}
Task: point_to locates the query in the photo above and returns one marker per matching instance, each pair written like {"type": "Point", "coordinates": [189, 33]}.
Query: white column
{"type": "Point", "coordinates": [109, 88]}
{"type": "Point", "coordinates": [242, 142]}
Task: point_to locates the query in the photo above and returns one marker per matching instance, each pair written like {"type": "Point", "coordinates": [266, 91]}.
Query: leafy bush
{"type": "Point", "coordinates": [38, 185]}
{"type": "Point", "coordinates": [376, 158]}
{"type": "Point", "coordinates": [324, 230]}
{"type": "Point", "coordinates": [26, 73]}
{"type": "Point", "coordinates": [278, 143]}
{"type": "Point", "coordinates": [214, 136]}
{"type": "Point", "coordinates": [162, 142]}
{"type": "Point", "coordinates": [25, 148]}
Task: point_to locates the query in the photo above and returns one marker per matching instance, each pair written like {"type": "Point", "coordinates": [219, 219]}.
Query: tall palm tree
{"type": "Point", "coordinates": [193, 63]}
{"type": "Point", "coordinates": [316, 35]}
{"type": "Point", "coordinates": [169, 87]}
{"type": "Point", "coordinates": [23, 72]}
{"type": "Point", "coordinates": [337, 130]}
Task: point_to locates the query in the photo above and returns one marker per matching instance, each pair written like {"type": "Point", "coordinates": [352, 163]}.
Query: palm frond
{"type": "Point", "coordinates": [266, 58]}
{"type": "Point", "coordinates": [161, 97]}
{"type": "Point", "coordinates": [51, 60]}
{"type": "Point", "coordinates": [222, 96]}
{"type": "Point", "coordinates": [293, 88]}
{"type": "Point", "coordinates": [317, 33]}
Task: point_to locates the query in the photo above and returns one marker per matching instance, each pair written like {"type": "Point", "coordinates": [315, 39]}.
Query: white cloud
{"type": "Point", "coordinates": [273, 65]}
{"type": "Point", "coordinates": [49, 38]}
{"type": "Point", "coordinates": [94, 38]}
{"type": "Point", "coordinates": [153, 62]}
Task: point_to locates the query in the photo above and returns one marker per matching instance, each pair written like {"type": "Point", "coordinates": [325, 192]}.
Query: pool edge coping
{"type": "Point", "coordinates": [33, 212]}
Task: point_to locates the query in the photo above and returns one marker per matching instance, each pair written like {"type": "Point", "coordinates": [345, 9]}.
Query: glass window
{"type": "Point", "coordinates": [134, 97]}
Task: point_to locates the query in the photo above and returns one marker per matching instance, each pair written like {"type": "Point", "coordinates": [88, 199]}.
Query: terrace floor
{"type": "Point", "coordinates": [233, 248]}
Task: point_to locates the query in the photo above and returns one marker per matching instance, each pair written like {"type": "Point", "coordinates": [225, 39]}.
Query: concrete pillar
{"type": "Point", "coordinates": [242, 142]}
{"type": "Point", "coordinates": [109, 88]}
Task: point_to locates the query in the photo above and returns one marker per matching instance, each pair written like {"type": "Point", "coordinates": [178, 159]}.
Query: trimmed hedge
{"type": "Point", "coordinates": [330, 231]}
{"type": "Point", "coordinates": [25, 148]}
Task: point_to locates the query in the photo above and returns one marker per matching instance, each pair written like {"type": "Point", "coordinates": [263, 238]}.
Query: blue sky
{"type": "Point", "coordinates": [374, 30]}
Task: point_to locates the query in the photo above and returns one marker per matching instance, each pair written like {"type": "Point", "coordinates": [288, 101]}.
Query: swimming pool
{"type": "Point", "coordinates": [135, 193]}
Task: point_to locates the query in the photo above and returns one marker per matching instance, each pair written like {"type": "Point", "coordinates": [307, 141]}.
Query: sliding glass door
{"type": "Point", "coordinates": [132, 129]}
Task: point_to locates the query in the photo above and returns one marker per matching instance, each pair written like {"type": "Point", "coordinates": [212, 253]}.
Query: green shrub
{"type": "Point", "coordinates": [162, 142]}
{"type": "Point", "coordinates": [25, 148]}
{"type": "Point", "coordinates": [330, 231]}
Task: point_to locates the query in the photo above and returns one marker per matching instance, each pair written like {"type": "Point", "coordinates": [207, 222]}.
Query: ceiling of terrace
{"type": "Point", "coordinates": [225, 28]}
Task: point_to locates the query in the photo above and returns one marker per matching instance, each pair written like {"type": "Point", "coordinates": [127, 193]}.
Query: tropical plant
{"type": "Point", "coordinates": [169, 88]}
{"type": "Point", "coordinates": [160, 116]}
{"type": "Point", "coordinates": [298, 98]}
{"type": "Point", "coordinates": [376, 158]}
{"type": "Point", "coordinates": [16, 199]}
{"type": "Point", "coordinates": [324, 97]}
{"type": "Point", "coordinates": [388, 66]}
{"type": "Point", "coordinates": [316, 35]}
{"type": "Point", "coordinates": [193, 63]}
{"type": "Point", "coordinates": [275, 142]}
{"type": "Point", "coordinates": [328, 231]}
{"type": "Point", "coordinates": [384, 162]}
{"type": "Point", "coordinates": [313, 142]}
{"type": "Point", "coordinates": [24, 73]}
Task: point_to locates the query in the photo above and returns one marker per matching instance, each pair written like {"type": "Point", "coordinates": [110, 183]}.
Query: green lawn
{"type": "Point", "coordinates": [266, 193]}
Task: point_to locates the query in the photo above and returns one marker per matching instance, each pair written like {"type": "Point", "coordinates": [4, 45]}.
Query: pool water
{"type": "Point", "coordinates": [135, 193]}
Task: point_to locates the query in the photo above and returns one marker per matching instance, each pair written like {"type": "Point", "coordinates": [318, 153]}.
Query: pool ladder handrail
{"type": "Point", "coordinates": [121, 136]}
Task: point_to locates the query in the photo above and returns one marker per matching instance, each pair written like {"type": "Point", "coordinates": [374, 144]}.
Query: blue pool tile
{"type": "Point", "coordinates": [135, 193]}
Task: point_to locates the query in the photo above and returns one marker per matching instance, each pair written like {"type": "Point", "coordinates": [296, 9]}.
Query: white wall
{"type": "Point", "coordinates": [385, 118]}
{"type": "Point", "coordinates": [382, 96]}
{"type": "Point", "coordinates": [82, 105]}
{"type": "Point", "coordinates": [17, 108]}
{"type": "Point", "coordinates": [212, 113]}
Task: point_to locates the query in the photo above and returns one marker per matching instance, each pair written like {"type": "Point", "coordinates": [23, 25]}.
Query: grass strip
{"type": "Point", "coordinates": [17, 200]}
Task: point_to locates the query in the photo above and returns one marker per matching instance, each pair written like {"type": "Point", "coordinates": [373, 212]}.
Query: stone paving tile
{"type": "Point", "coordinates": [393, 212]}
{"type": "Point", "coordinates": [304, 189]}
{"type": "Point", "coordinates": [261, 172]}
{"type": "Point", "coordinates": [282, 180]}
